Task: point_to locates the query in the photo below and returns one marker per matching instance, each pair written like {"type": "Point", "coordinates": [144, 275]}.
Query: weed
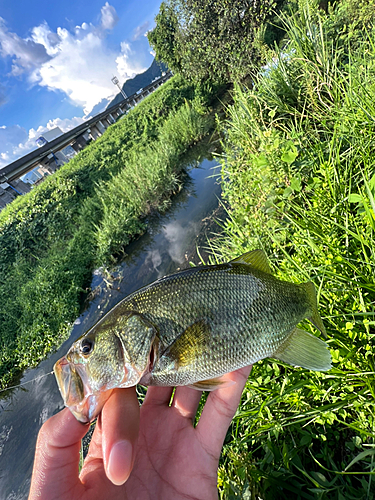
{"type": "Point", "coordinates": [299, 175]}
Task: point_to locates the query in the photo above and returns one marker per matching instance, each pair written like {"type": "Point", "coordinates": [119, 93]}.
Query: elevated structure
{"type": "Point", "coordinates": [48, 136]}
{"type": "Point", "coordinates": [47, 155]}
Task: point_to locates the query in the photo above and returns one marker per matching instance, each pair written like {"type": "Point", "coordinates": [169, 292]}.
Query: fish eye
{"type": "Point", "coordinates": [86, 346]}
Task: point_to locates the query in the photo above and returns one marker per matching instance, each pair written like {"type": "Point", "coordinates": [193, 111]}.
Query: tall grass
{"type": "Point", "coordinates": [299, 176]}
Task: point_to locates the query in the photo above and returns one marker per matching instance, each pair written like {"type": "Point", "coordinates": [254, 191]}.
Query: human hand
{"type": "Point", "coordinates": [152, 454]}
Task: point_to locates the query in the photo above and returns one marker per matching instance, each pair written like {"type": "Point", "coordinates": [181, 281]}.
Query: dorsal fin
{"type": "Point", "coordinates": [315, 316]}
{"type": "Point", "coordinates": [256, 259]}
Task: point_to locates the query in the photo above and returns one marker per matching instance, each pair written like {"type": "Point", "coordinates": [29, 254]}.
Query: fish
{"type": "Point", "coordinates": [191, 328]}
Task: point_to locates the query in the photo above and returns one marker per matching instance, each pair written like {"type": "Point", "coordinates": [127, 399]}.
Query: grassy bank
{"type": "Point", "coordinates": [51, 238]}
{"type": "Point", "coordinates": [299, 176]}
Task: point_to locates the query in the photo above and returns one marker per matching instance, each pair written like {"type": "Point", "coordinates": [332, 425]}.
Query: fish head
{"type": "Point", "coordinates": [102, 359]}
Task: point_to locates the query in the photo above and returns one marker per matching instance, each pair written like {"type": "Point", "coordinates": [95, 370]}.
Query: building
{"type": "Point", "coordinates": [48, 136]}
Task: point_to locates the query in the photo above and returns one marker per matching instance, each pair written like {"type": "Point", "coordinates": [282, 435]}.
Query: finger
{"type": "Point", "coordinates": [120, 427]}
{"type": "Point", "coordinates": [158, 396]}
{"type": "Point", "coordinates": [219, 410]}
{"type": "Point", "coordinates": [186, 401]}
{"type": "Point", "coordinates": [55, 471]}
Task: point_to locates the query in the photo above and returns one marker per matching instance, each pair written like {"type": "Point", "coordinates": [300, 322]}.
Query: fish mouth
{"type": "Point", "coordinates": [76, 391]}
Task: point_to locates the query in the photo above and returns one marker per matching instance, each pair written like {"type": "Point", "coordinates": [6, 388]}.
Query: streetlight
{"type": "Point", "coordinates": [115, 81]}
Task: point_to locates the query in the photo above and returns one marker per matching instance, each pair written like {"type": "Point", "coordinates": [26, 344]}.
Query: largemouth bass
{"type": "Point", "coordinates": [191, 328]}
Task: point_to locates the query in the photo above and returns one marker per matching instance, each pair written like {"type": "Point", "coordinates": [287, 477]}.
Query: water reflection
{"type": "Point", "coordinates": [177, 234]}
{"type": "Point", "coordinates": [154, 257]}
{"type": "Point", "coordinates": [165, 247]}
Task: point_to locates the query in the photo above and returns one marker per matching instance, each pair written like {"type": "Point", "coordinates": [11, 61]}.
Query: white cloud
{"type": "Point", "coordinates": [15, 141]}
{"type": "Point", "coordinates": [124, 65]}
{"type": "Point", "coordinates": [43, 36]}
{"type": "Point", "coordinates": [11, 136]}
{"type": "Point", "coordinates": [141, 30]}
{"type": "Point", "coordinates": [78, 63]}
{"type": "Point", "coordinates": [83, 68]}
{"type": "Point", "coordinates": [65, 124]}
{"type": "Point", "coordinates": [27, 53]}
{"type": "Point", "coordinates": [109, 17]}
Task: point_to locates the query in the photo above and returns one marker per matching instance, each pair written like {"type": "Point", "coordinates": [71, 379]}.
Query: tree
{"type": "Point", "coordinates": [210, 39]}
{"type": "Point", "coordinates": [164, 38]}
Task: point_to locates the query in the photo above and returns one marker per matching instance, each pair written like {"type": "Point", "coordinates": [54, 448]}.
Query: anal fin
{"type": "Point", "coordinates": [211, 384]}
{"type": "Point", "coordinates": [306, 350]}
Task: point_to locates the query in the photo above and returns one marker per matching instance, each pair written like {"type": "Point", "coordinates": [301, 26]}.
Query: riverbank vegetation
{"type": "Point", "coordinates": [52, 238]}
{"type": "Point", "coordinates": [298, 175]}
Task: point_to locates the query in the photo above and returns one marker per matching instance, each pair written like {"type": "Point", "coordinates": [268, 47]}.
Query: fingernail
{"type": "Point", "coordinates": [120, 462]}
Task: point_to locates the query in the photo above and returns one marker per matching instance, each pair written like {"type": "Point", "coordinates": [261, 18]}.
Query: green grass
{"type": "Point", "coordinates": [298, 175]}
{"type": "Point", "coordinates": [52, 238]}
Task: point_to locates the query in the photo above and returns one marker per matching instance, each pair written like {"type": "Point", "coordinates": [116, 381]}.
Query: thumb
{"type": "Point", "coordinates": [120, 427]}
{"type": "Point", "coordinates": [57, 450]}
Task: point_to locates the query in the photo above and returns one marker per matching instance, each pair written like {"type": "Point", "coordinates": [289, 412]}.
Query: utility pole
{"type": "Point", "coordinates": [115, 81]}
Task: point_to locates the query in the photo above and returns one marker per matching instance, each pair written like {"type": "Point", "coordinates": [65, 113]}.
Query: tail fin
{"type": "Point", "coordinates": [315, 317]}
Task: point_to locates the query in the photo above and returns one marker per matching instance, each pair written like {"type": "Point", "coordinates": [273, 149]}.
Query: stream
{"type": "Point", "coordinates": [169, 244]}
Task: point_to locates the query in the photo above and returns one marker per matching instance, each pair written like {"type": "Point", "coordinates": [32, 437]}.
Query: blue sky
{"type": "Point", "coordinates": [57, 60]}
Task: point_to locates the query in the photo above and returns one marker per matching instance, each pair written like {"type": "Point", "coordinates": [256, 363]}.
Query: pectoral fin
{"type": "Point", "coordinates": [190, 344]}
{"type": "Point", "coordinates": [212, 384]}
{"type": "Point", "coordinates": [306, 350]}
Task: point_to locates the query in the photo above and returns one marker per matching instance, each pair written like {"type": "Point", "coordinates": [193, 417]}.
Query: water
{"type": "Point", "coordinates": [168, 245]}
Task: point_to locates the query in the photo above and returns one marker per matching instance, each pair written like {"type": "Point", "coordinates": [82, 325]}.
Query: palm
{"type": "Point", "coordinates": [174, 460]}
